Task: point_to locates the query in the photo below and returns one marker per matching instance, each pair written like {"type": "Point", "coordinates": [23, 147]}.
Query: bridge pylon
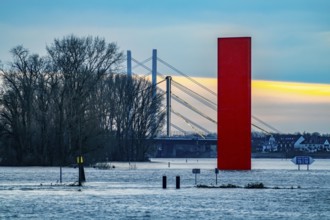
{"type": "Point", "coordinates": [168, 105]}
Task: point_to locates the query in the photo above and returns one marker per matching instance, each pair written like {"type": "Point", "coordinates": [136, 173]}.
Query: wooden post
{"type": "Point", "coordinates": [60, 174]}
{"type": "Point", "coordinates": [164, 182]}
{"type": "Point", "coordinates": [177, 182]}
{"type": "Point", "coordinates": [81, 177]}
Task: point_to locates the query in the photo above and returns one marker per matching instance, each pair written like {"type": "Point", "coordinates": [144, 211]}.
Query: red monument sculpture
{"type": "Point", "coordinates": [234, 103]}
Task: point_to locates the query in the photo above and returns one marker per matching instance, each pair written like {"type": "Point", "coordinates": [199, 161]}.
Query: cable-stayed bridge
{"type": "Point", "coordinates": [186, 102]}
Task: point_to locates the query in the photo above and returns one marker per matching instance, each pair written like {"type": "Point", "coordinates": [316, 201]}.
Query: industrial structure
{"type": "Point", "coordinates": [234, 103]}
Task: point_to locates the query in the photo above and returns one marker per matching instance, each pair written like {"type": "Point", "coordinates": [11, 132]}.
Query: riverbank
{"type": "Point", "coordinates": [322, 155]}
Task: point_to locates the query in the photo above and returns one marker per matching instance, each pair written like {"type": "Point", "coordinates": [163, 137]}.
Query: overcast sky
{"type": "Point", "coordinates": [290, 39]}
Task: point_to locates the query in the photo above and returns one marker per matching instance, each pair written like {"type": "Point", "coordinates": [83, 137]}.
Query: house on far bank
{"type": "Point", "coordinates": [312, 144]}
{"type": "Point", "coordinates": [280, 143]}
{"type": "Point", "coordinates": [271, 146]}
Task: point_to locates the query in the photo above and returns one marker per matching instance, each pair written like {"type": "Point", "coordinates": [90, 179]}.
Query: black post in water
{"type": "Point", "coordinates": [82, 174]}
{"type": "Point", "coordinates": [164, 182]}
{"type": "Point", "coordinates": [196, 171]}
{"type": "Point", "coordinates": [60, 174]}
{"type": "Point", "coordinates": [216, 171]}
{"type": "Point", "coordinates": [79, 172]}
{"type": "Point", "coordinates": [81, 177]}
{"type": "Point", "coordinates": [178, 182]}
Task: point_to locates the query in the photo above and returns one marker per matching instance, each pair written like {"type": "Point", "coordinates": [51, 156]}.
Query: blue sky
{"type": "Point", "coordinates": [291, 39]}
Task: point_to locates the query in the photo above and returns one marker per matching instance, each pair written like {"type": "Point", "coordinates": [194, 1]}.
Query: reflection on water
{"type": "Point", "coordinates": [124, 193]}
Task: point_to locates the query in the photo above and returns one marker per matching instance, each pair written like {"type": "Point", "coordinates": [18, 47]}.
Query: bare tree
{"type": "Point", "coordinates": [82, 63]}
{"type": "Point", "coordinates": [75, 101]}
{"type": "Point", "coordinates": [133, 123]}
{"type": "Point", "coordinates": [17, 101]}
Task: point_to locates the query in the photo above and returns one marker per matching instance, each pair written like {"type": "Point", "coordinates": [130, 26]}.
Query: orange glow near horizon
{"type": "Point", "coordinates": [288, 106]}
{"type": "Point", "coordinates": [292, 106]}
{"type": "Point", "coordinates": [308, 91]}
{"type": "Point", "coordinates": [295, 91]}
{"type": "Point", "coordinates": [277, 87]}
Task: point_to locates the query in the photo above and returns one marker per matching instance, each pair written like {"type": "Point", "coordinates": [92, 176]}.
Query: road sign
{"type": "Point", "coordinates": [302, 160]}
{"type": "Point", "coordinates": [196, 171]}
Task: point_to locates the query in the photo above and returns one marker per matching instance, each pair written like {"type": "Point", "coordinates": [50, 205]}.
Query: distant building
{"type": "Point", "coordinates": [282, 144]}
{"type": "Point", "coordinates": [312, 144]}
{"type": "Point", "coordinates": [286, 142]}
{"type": "Point", "coordinates": [279, 143]}
{"type": "Point", "coordinates": [271, 146]}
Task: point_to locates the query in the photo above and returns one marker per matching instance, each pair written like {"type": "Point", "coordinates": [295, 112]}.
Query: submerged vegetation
{"type": "Point", "coordinates": [74, 101]}
{"type": "Point", "coordinates": [256, 185]}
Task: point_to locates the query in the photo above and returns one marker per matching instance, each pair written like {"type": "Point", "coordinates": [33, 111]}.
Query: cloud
{"type": "Point", "coordinates": [292, 107]}
{"type": "Point", "coordinates": [289, 107]}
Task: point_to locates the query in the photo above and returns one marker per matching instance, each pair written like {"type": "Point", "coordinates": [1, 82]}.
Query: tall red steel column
{"type": "Point", "coordinates": [234, 103]}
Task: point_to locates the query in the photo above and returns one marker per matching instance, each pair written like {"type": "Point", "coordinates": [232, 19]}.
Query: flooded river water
{"type": "Point", "coordinates": [134, 191]}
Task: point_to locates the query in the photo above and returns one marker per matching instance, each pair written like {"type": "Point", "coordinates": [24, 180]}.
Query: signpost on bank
{"type": "Point", "coordinates": [196, 171]}
{"type": "Point", "coordinates": [81, 177]}
{"type": "Point", "coordinates": [302, 160]}
{"type": "Point", "coordinates": [216, 171]}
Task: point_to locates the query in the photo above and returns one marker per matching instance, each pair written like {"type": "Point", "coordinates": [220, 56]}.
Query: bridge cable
{"type": "Point", "coordinates": [182, 87]}
{"type": "Point", "coordinates": [185, 75]}
{"type": "Point", "coordinates": [141, 63]}
{"type": "Point", "coordinates": [178, 128]}
{"type": "Point", "coordinates": [195, 95]}
{"type": "Point", "coordinates": [147, 68]}
{"type": "Point", "coordinates": [152, 86]}
{"type": "Point", "coordinates": [186, 104]}
{"type": "Point", "coordinates": [260, 129]}
{"type": "Point", "coordinates": [173, 125]}
{"type": "Point", "coordinates": [196, 130]}
{"type": "Point", "coordinates": [190, 122]}
{"type": "Point", "coordinates": [266, 124]}
{"type": "Point", "coordinates": [186, 119]}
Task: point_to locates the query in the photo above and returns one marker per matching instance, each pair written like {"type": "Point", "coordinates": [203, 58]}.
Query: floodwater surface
{"type": "Point", "coordinates": [134, 191]}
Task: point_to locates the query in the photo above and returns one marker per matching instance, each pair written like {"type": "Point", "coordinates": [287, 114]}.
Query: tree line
{"type": "Point", "coordinates": [75, 101]}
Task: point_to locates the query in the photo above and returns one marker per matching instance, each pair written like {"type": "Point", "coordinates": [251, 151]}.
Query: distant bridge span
{"type": "Point", "coordinates": [166, 141]}
{"type": "Point", "coordinates": [197, 146]}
